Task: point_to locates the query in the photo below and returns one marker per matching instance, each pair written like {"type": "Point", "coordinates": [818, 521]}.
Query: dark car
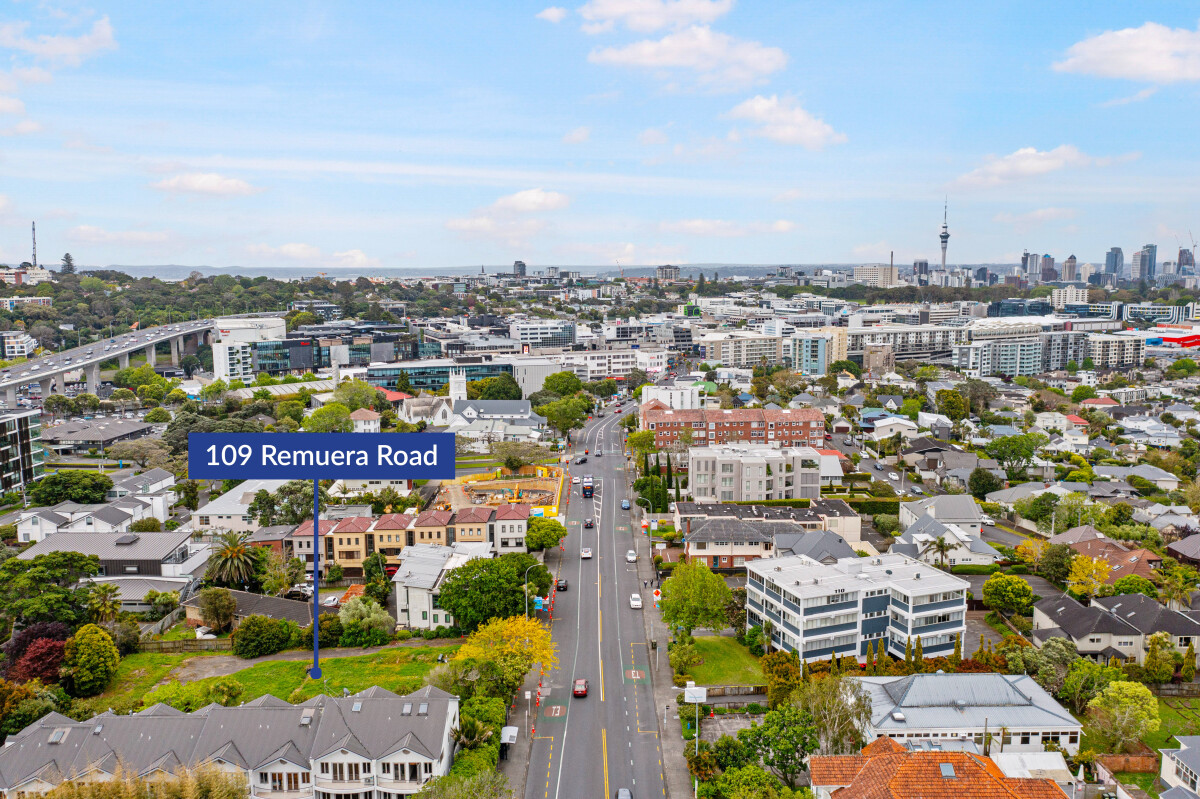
{"type": "Point", "coordinates": [581, 688]}
{"type": "Point", "coordinates": [561, 585]}
{"type": "Point", "coordinates": [581, 460]}
{"type": "Point", "coordinates": [589, 523]}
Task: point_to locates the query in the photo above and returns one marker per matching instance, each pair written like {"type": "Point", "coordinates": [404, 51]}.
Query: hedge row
{"type": "Point", "coordinates": [867, 505]}
{"type": "Point", "coordinates": [990, 568]}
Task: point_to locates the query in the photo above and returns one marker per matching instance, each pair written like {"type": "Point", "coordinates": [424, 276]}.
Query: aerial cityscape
{"type": "Point", "coordinates": [773, 401]}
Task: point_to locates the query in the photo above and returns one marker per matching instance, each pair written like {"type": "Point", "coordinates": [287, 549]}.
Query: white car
{"type": "Point", "coordinates": [893, 476]}
{"type": "Point", "coordinates": [585, 553]}
{"type": "Point", "coordinates": [635, 601]}
{"type": "Point", "coordinates": [631, 556]}
{"type": "Point", "coordinates": [330, 602]}
{"type": "Point", "coordinates": [988, 520]}
{"type": "Point", "coordinates": [574, 481]}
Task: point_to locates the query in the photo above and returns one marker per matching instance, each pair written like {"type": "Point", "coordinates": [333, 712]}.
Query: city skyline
{"type": "Point", "coordinates": [639, 132]}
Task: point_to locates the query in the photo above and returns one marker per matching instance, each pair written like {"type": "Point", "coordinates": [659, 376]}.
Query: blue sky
{"type": "Point", "coordinates": [434, 135]}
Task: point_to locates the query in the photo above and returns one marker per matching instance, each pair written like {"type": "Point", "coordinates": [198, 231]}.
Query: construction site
{"type": "Point", "coordinates": [542, 489]}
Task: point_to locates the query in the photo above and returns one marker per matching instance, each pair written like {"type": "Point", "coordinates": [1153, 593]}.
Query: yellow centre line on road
{"type": "Point", "coordinates": [601, 679]}
{"type": "Point", "coordinates": [604, 744]}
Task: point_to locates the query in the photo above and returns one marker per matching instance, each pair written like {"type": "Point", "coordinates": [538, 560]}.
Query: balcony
{"type": "Point", "coordinates": [325, 783]}
{"type": "Point", "coordinates": [266, 792]}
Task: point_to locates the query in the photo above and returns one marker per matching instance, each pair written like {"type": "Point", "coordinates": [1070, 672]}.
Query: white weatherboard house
{"type": "Point", "coordinates": [959, 707]}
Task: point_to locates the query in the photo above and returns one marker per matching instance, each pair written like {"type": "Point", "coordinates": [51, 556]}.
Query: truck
{"type": "Point", "coordinates": [588, 486]}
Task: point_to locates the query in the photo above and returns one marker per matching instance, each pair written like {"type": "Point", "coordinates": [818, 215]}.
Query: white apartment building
{"type": "Point", "coordinates": [233, 353]}
{"type": "Point", "coordinates": [1109, 351]}
{"type": "Point", "coordinates": [844, 607]}
{"type": "Point", "coordinates": [230, 511]}
{"type": "Point", "coordinates": [878, 275]}
{"type": "Point", "coordinates": [543, 332]}
{"type": "Point", "coordinates": [742, 471]}
{"type": "Point", "coordinates": [651, 361]}
{"type": "Point", "coordinates": [591, 365]}
{"type": "Point", "coordinates": [17, 344]}
{"type": "Point", "coordinates": [740, 348]}
{"type": "Point", "coordinates": [908, 342]}
{"type": "Point", "coordinates": [233, 360]}
{"type": "Point", "coordinates": [418, 580]}
{"type": "Point", "coordinates": [1071, 294]}
{"type": "Point", "coordinates": [1012, 357]}
{"type": "Point", "coordinates": [679, 398]}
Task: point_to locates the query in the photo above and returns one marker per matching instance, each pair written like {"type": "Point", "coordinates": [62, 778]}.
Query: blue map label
{"type": "Point", "coordinates": [320, 456]}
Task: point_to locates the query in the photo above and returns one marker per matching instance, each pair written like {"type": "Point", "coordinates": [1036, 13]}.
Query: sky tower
{"type": "Point", "coordinates": [945, 234]}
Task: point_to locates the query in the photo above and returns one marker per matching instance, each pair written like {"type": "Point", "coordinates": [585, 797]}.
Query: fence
{"type": "Point", "coordinates": [736, 690]}
{"type": "Point", "coordinates": [165, 623]}
{"type": "Point", "coordinates": [1177, 689]}
{"type": "Point", "coordinates": [1141, 764]}
{"type": "Point", "coordinates": [194, 645]}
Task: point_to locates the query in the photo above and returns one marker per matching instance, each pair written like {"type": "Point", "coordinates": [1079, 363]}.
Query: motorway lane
{"type": "Point", "coordinates": [593, 746]}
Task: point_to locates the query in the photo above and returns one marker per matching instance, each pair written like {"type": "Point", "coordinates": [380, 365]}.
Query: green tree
{"type": "Point", "coordinates": [47, 587]}
{"type": "Point", "coordinates": [840, 709]}
{"type": "Point", "coordinates": [290, 409]}
{"type": "Point", "coordinates": [68, 265]}
{"type": "Point", "coordinates": [1007, 594]}
{"type": "Point", "coordinates": [693, 596]}
{"type": "Point", "coordinates": [263, 507]}
{"type": "Point", "coordinates": [104, 601]}
{"type": "Point", "coordinates": [564, 384]}
{"type": "Point", "coordinates": [481, 590]}
{"type": "Point", "coordinates": [157, 416]}
{"type": "Point", "coordinates": [355, 394]}
{"type": "Point", "coordinates": [544, 533]}
{"type": "Point", "coordinates": [142, 451]}
{"type": "Point", "coordinates": [951, 404]}
{"type": "Point", "coordinates": [189, 494]}
{"type": "Point", "coordinates": [982, 482]}
{"type": "Point", "coordinates": [837, 367]}
{"type": "Point", "coordinates": [147, 525]}
{"type": "Point", "coordinates": [911, 408]}
{"type": "Point", "coordinates": [1015, 453]}
{"type": "Point", "coordinates": [217, 608]}
{"type": "Point", "coordinates": [190, 364]}
{"type": "Point", "coordinates": [1122, 714]}
{"type": "Point", "coordinates": [331, 418]}
{"type": "Point", "coordinates": [1056, 563]}
{"type": "Point", "coordinates": [783, 741]}
{"type": "Point", "coordinates": [90, 660]}
{"type": "Point", "coordinates": [294, 500]}
{"type": "Point", "coordinates": [1084, 681]}
{"type": "Point", "coordinates": [642, 442]}
{"type": "Point", "coordinates": [86, 488]}
{"type": "Point", "coordinates": [502, 387]}
{"type": "Point", "coordinates": [1135, 584]}
{"type": "Point", "coordinates": [565, 415]}
{"type": "Point", "coordinates": [1159, 666]}
{"type": "Point", "coordinates": [1083, 392]}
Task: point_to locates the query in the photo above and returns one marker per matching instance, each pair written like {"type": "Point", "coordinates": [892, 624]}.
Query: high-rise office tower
{"type": "Point", "coordinates": [1030, 264]}
{"type": "Point", "coordinates": [1137, 266]}
{"type": "Point", "coordinates": [981, 275]}
{"type": "Point", "coordinates": [1049, 273]}
{"type": "Point", "coordinates": [1149, 263]}
{"type": "Point", "coordinates": [945, 234]}
{"type": "Point", "coordinates": [1085, 272]}
{"type": "Point", "coordinates": [518, 269]}
{"type": "Point", "coordinates": [1186, 261]}
{"type": "Point", "coordinates": [1069, 271]}
{"type": "Point", "coordinates": [1114, 262]}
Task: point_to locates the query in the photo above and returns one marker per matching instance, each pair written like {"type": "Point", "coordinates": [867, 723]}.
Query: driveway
{"type": "Point", "coordinates": [996, 535]}
{"type": "Point", "coordinates": [976, 627]}
{"type": "Point", "coordinates": [1041, 586]}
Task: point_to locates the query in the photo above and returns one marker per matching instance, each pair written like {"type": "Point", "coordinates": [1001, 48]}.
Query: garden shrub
{"type": "Point", "coordinates": [260, 635]}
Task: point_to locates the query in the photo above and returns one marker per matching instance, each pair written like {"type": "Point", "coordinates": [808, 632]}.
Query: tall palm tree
{"type": "Point", "coordinates": [104, 601]}
{"type": "Point", "coordinates": [471, 733]}
{"type": "Point", "coordinates": [232, 560]}
{"type": "Point", "coordinates": [941, 546]}
{"type": "Point", "coordinates": [1175, 591]}
{"type": "Point", "coordinates": [768, 630]}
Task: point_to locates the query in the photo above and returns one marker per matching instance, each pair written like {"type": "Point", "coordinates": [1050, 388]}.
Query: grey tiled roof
{"type": "Point", "coordinates": [1077, 621]}
{"type": "Point", "coordinates": [820, 545]}
{"type": "Point", "coordinates": [1147, 615]}
{"type": "Point", "coordinates": [949, 701]}
{"type": "Point", "coordinates": [145, 546]}
{"type": "Point", "coordinates": [250, 736]}
{"type": "Point", "coordinates": [249, 604]}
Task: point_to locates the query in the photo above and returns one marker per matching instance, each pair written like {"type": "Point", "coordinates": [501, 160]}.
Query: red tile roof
{"type": "Point", "coordinates": [394, 396]}
{"type": "Point", "coordinates": [1100, 401]}
{"type": "Point", "coordinates": [508, 513]}
{"type": "Point", "coordinates": [1073, 419]}
{"type": "Point", "coordinates": [909, 775]}
{"type": "Point", "coordinates": [354, 524]}
{"type": "Point", "coordinates": [473, 516]}
{"type": "Point", "coordinates": [324, 526]}
{"type": "Point", "coordinates": [393, 521]}
{"type": "Point", "coordinates": [434, 518]}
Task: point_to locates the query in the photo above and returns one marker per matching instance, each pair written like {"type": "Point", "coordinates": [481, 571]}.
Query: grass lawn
{"type": "Point", "coordinates": [1179, 717]}
{"type": "Point", "coordinates": [1143, 781]}
{"type": "Point", "coordinates": [399, 669]}
{"type": "Point", "coordinates": [726, 662]}
{"type": "Point", "coordinates": [180, 632]}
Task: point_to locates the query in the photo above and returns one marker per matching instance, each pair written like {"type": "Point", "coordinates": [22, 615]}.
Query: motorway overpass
{"type": "Point", "coordinates": [50, 371]}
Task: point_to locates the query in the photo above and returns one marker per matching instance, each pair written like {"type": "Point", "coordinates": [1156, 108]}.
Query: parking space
{"type": "Point", "coordinates": [1041, 586]}
{"type": "Point", "coordinates": [976, 627]}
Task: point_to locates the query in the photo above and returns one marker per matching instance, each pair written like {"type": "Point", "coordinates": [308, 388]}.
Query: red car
{"type": "Point", "coordinates": [581, 688]}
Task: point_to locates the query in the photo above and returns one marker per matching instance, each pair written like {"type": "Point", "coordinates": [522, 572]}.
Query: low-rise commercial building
{"type": "Point", "coordinates": [788, 427]}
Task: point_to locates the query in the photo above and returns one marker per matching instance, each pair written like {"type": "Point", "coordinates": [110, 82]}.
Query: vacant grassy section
{"type": "Point", "coordinates": [399, 669]}
{"type": "Point", "coordinates": [725, 662]}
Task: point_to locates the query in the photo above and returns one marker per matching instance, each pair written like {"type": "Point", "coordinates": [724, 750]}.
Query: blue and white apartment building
{"type": "Point", "coordinates": [818, 609]}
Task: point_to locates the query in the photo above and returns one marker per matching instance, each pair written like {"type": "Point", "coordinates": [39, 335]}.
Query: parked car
{"type": "Point", "coordinates": [879, 467]}
{"type": "Point", "coordinates": [988, 520]}
{"type": "Point", "coordinates": [330, 602]}
{"type": "Point", "coordinates": [585, 553]}
{"type": "Point", "coordinates": [917, 491]}
{"type": "Point", "coordinates": [893, 476]}
{"type": "Point", "coordinates": [581, 688]}
{"type": "Point", "coordinates": [635, 601]}
{"type": "Point", "coordinates": [631, 556]}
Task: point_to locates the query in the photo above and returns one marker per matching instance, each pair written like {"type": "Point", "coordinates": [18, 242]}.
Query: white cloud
{"type": "Point", "coordinates": [720, 228]}
{"type": "Point", "coordinates": [513, 232]}
{"type": "Point", "coordinates": [356, 259]}
{"type": "Point", "coordinates": [788, 196]}
{"type": "Point", "coordinates": [785, 122]}
{"type": "Point", "coordinates": [1137, 97]}
{"type": "Point", "coordinates": [295, 250]}
{"type": "Point", "coordinates": [90, 234]}
{"type": "Point", "coordinates": [207, 183]}
{"type": "Point", "coordinates": [651, 137]}
{"type": "Point", "coordinates": [645, 16]}
{"type": "Point", "coordinates": [553, 14]}
{"type": "Point", "coordinates": [1152, 52]}
{"type": "Point", "coordinates": [578, 136]}
{"type": "Point", "coordinates": [32, 75]}
{"type": "Point", "coordinates": [719, 61]}
{"type": "Point", "coordinates": [1032, 219]}
{"type": "Point", "coordinates": [68, 50]}
{"type": "Point", "coordinates": [11, 105]}
{"type": "Point", "coordinates": [22, 128]}
{"type": "Point", "coordinates": [1029, 162]}
{"type": "Point", "coordinates": [531, 201]}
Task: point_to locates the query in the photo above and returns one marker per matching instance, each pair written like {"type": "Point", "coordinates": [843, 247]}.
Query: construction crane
{"type": "Point", "coordinates": [620, 268]}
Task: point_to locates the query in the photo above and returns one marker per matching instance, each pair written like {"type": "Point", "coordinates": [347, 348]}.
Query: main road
{"type": "Point", "coordinates": [594, 745]}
